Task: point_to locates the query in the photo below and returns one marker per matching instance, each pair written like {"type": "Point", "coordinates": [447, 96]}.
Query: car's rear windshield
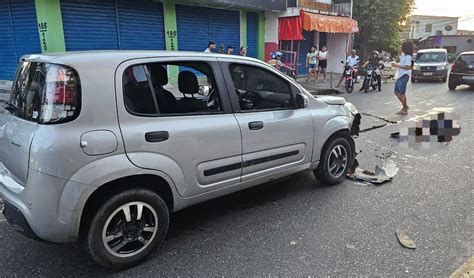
{"type": "Point", "coordinates": [431, 57]}
{"type": "Point", "coordinates": [467, 59]}
{"type": "Point", "coordinates": [45, 93]}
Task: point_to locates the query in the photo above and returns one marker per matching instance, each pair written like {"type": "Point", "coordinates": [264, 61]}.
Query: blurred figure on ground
{"type": "Point", "coordinates": [312, 63]}
{"type": "Point", "coordinates": [323, 61]}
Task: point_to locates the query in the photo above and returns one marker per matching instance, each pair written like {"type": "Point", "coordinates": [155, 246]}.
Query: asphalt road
{"type": "Point", "coordinates": [296, 227]}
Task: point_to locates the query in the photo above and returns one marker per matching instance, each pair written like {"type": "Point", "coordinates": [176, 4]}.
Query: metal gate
{"type": "Point", "coordinates": [199, 25]}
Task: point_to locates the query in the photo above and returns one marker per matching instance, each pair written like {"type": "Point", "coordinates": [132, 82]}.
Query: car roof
{"type": "Point", "coordinates": [431, 50]}
{"type": "Point", "coordinates": [118, 56]}
{"type": "Point", "coordinates": [467, 53]}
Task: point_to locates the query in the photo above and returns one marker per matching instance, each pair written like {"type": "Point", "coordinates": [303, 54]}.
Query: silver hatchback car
{"type": "Point", "coordinates": [103, 145]}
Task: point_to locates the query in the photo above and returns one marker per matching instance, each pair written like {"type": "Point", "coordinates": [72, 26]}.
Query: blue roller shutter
{"type": "Point", "coordinates": [141, 25]}
{"type": "Point", "coordinates": [193, 27]}
{"type": "Point", "coordinates": [305, 46]}
{"type": "Point", "coordinates": [225, 28]}
{"type": "Point", "coordinates": [18, 26]}
{"type": "Point", "coordinates": [89, 25]}
{"type": "Point", "coordinates": [8, 53]}
{"type": "Point", "coordinates": [252, 32]}
{"type": "Point", "coordinates": [198, 25]}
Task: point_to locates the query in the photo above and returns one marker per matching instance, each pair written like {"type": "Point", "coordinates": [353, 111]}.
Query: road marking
{"type": "Point", "coordinates": [465, 271]}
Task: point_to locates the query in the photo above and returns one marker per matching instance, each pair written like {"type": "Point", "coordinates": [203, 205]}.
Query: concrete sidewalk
{"type": "Point", "coordinates": [321, 87]}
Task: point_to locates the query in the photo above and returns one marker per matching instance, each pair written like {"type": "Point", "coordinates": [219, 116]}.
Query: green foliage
{"type": "Point", "coordinates": [379, 23]}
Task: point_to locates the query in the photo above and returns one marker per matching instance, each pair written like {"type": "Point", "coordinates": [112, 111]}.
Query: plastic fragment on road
{"type": "Point", "coordinates": [404, 239]}
{"type": "Point", "coordinates": [465, 271]}
{"type": "Point", "coordinates": [382, 174]}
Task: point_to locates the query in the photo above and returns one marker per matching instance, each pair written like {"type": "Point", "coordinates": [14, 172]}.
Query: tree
{"type": "Point", "coordinates": [380, 24]}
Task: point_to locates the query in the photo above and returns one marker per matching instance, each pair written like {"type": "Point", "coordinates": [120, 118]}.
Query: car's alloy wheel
{"type": "Point", "coordinates": [127, 228]}
{"type": "Point", "coordinates": [130, 229]}
{"type": "Point", "coordinates": [337, 161]}
{"type": "Point", "coordinates": [336, 158]}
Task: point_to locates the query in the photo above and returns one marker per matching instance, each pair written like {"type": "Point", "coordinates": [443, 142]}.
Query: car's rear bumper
{"type": "Point", "coordinates": [33, 208]}
{"type": "Point", "coordinates": [17, 220]}
{"type": "Point", "coordinates": [429, 75]}
{"type": "Point", "coordinates": [462, 78]}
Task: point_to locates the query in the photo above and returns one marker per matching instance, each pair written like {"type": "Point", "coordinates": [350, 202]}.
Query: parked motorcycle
{"type": "Point", "coordinates": [373, 77]}
{"type": "Point", "coordinates": [350, 73]}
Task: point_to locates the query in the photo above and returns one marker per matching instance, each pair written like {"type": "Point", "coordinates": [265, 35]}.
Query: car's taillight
{"type": "Point", "coordinates": [61, 96]}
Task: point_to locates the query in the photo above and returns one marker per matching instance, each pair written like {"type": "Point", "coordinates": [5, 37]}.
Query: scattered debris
{"type": "Point", "coordinates": [381, 174]}
{"type": "Point", "coordinates": [404, 239]}
{"type": "Point", "coordinates": [395, 135]}
{"type": "Point", "coordinates": [350, 246]}
{"type": "Point", "coordinates": [386, 155]}
{"type": "Point", "coordinates": [373, 127]}
{"type": "Point", "coordinates": [385, 119]}
{"type": "Point", "coordinates": [465, 271]}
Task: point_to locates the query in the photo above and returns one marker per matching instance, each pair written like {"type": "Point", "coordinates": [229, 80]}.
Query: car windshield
{"type": "Point", "coordinates": [427, 57]}
{"type": "Point", "coordinates": [467, 59]}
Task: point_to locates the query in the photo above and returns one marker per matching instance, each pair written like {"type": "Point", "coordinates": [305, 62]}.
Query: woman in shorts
{"type": "Point", "coordinates": [404, 70]}
{"type": "Point", "coordinates": [323, 61]}
{"type": "Point", "coordinates": [312, 63]}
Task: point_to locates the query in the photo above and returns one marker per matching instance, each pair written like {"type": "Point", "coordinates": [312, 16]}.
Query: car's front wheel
{"type": "Point", "coordinates": [336, 159]}
{"type": "Point", "coordinates": [127, 228]}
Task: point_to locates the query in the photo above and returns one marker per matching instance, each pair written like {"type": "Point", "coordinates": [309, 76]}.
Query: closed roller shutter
{"type": "Point", "coordinates": [198, 25]}
{"type": "Point", "coordinates": [141, 25]}
{"type": "Point", "coordinates": [18, 26]}
{"type": "Point", "coordinates": [252, 32]}
{"type": "Point", "coordinates": [305, 46]}
{"type": "Point", "coordinates": [89, 25]}
{"type": "Point", "coordinates": [193, 27]}
{"type": "Point", "coordinates": [225, 28]}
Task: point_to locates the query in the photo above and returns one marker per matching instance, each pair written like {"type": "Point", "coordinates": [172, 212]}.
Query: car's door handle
{"type": "Point", "coordinates": [157, 136]}
{"type": "Point", "coordinates": [256, 125]}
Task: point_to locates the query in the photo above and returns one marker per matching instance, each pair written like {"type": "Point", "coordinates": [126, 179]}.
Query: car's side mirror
{"type": "Point", "coordinates": [204, 90]}
{"type": "Point", "coordinates": [302, 101]}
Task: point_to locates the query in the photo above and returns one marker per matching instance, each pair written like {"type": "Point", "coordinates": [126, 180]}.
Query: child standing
{"type": "Point", "coordinates": [404, 71]}
{"type": "Point", "coordinates": [312, 63]}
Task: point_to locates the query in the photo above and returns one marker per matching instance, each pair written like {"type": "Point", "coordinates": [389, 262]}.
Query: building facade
{"type": "Point", "coordinates": [423, 26]}
{"type": "Point", "coordinates": [316, 23]}
{"type": "Point", "coordinates": [44, 26]}
{"type": "Point", "coordinates": [454, 44]}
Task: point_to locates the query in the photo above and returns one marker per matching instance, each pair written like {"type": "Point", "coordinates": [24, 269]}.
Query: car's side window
{"type": "Point", "coordinates": [260, 89]}
{"type": "Point", "coordinates": [172, 88]}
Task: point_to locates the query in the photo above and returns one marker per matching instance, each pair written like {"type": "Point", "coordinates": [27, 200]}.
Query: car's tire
{"type": "Point", "coordinates": [413, 80]}
{"type": "Point", "coordinates": [452, 86]}
{"type": "Point", "coordinates": [118, 223]}
{"type": "Point", "coordinates": [333, 168]}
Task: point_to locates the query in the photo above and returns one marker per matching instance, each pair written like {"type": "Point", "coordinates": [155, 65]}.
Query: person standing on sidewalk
{"type": "Point", "coordinates": [404, 70]}
{"type": "Point", "coordinates": [312, 63]}
{"type": "Point", "coordinates": [243, 51]}
{"type": "Point", "coordinates": [210, 47]}
{"type": "Point", "coordinates": [323, 62]}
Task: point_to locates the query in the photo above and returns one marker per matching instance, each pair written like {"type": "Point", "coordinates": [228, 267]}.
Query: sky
{"type": "Point", "coordinates": [461, 8]}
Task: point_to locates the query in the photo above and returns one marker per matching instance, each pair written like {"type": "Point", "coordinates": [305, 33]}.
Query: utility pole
{"type": "Point", "coordinates": [352, 5]}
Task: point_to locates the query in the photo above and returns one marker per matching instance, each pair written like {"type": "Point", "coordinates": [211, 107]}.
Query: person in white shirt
{"type": "Point", "coordinates": [404, 70]}
{"type": "Point", "coordinates": [352, 60]}
{"type": "Point", "coordinates": [210, 47]}
{"type": "Point", "coordinates": [323, 61]}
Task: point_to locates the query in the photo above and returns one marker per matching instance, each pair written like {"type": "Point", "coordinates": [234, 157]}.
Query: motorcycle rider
{"type": "Point", "coordinates": [352, 61]}
{"type": "Point", "coordinates": [373, 62]}
{"type": "Point", "coordinates": [276, 61]}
